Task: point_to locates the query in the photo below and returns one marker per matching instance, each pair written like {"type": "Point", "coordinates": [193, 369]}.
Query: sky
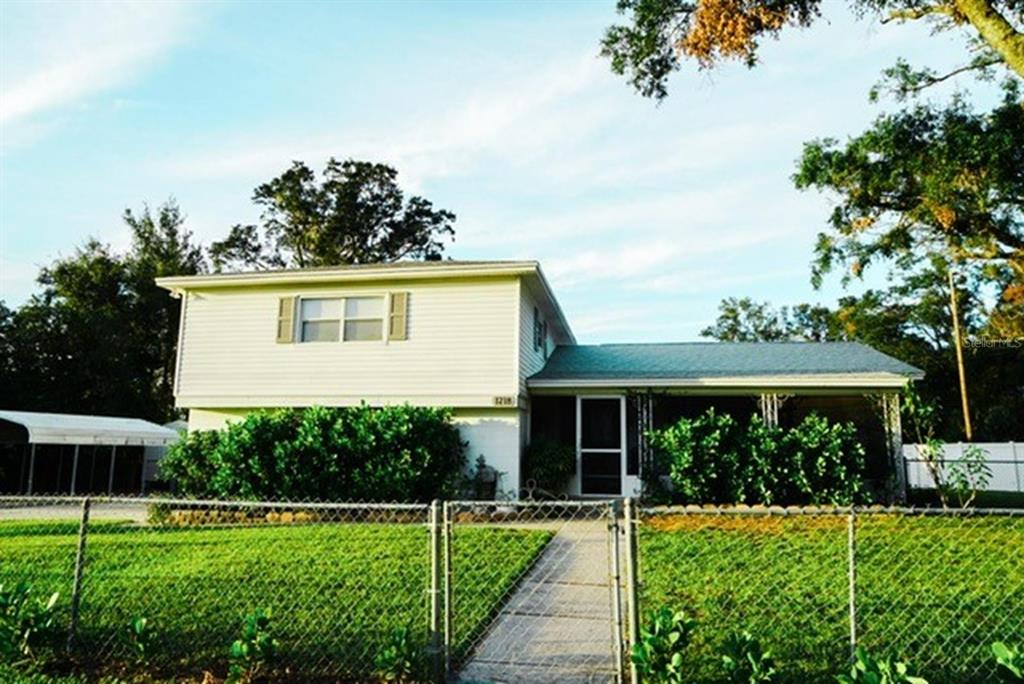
{"type": "Point", "coordinates": [643, 215]}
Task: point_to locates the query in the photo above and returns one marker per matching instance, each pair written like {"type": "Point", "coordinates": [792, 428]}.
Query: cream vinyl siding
{"type": "Point", "coordinates": [458, 350]}
{"type": "Point", "coordinates": [530, 360]}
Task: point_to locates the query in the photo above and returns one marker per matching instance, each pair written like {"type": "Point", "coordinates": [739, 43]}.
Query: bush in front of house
{"type": "Point", "coordinates": [550, 465]}
{"type": "Point", "coordinates": [394, 453]}
{"type": "Point", "coordinates": [717, 459]}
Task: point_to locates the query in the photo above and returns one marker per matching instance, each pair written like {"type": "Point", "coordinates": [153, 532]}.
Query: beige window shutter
{"type": "Point", "coordinates": [286, 307]}
{"type": "Point", "coordinates": [399, 315]}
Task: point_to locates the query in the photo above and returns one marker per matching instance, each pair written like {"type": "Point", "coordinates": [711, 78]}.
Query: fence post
{"type": "Point", "coordinates": [632, 608]}
{"type": "Point", "coordinates": [851, 554]}
{"type": "Point", "coordinates": [76, 588]}
{"type": "Point", "coordinates": [616, 585]}
{"type": "Point", "coordinates": [436, 661]}
{"type": "Point", "coordinates": [448, 606]}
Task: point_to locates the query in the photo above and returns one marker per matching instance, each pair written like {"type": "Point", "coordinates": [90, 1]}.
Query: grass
{"type": "Point", "coordinates": [934, 591]}
{"type": "Point", "coordinates": [335, 591]}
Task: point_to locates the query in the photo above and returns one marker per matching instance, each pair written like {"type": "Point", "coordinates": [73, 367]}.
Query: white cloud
{"type": "Point", "coordinates": [517, 121]}
{"type": "Point", "coordinates": [55, 54]}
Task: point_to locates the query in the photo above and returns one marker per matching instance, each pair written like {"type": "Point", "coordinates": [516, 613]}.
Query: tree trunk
{"type": "Point", "coordinates": [996, 31]}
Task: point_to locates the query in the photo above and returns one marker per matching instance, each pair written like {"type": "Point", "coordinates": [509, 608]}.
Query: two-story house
{"type": "Point", "coordinates": [489, 340]}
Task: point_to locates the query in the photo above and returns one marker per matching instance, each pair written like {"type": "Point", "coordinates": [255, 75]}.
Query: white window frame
{"type": "Point", "coordinates": [385, 298]}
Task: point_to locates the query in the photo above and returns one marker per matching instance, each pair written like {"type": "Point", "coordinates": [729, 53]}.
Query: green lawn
{"type": "Point", "coordinates": [335, 591]}
{"type": "Point", "coordinates": [935, 591]}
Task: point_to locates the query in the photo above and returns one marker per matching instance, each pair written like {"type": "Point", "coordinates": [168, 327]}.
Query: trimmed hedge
{"type": "Point", "coordinates": [716, 459]}
{"type": "Point", "coordinates": [394, 453]}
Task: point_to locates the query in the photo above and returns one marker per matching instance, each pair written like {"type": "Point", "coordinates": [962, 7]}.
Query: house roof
{"type": "Point", "coordinates": [67, 428]}
{"type": "Point", "coordinates": [723, 363]}
{"type": "Point", "coordinates": [530, 271]}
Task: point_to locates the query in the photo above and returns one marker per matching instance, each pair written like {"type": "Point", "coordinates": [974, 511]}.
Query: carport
{"type": "Point", "coordinates": [76, 454]}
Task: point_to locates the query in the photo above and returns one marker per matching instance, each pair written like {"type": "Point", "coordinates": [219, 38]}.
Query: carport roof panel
{"type": "Point", "coordinates": [68, 428]}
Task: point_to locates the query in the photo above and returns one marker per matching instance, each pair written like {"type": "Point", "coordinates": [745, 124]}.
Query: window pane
{"type": "Point", "coordinates": [364, 330]}
{"type": "Point", "coordinates": [321, 308]}
{"type": "Point", "coordinates": [320, 331]}
{"type": "Point", "coordinates": [364, 307]}
{"type": "Point", "coordinates": [600, 426]}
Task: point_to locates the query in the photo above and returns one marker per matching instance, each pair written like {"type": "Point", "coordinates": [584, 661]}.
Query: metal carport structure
{"type": "Point", "coordinates": [35, 429]}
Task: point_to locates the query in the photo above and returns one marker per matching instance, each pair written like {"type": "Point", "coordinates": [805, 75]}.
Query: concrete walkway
{"type": "Point", "coordinates": [557, 626]}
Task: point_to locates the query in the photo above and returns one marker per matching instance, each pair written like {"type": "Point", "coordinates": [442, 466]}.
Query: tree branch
{"type": "Point", "coordinates": [919, 13]}
{"type": "Point", "coordinates": [995, 30]}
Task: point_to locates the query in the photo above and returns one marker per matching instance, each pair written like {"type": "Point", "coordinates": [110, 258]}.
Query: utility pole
{"type": "Point", "coordinates": [958, 344]}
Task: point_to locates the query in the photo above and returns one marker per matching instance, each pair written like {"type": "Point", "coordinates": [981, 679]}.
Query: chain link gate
{"type": "Point", "coordinates": [533, 591]}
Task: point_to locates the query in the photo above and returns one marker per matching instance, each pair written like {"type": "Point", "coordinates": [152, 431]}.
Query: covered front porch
{"type": "Point", "coordinates": [600, 401]}
{"type": "Point", "coordinates": [606, 428]}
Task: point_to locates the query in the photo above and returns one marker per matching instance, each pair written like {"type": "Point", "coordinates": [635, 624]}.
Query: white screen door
{"type": "Point", "coordinates": [600, 440]}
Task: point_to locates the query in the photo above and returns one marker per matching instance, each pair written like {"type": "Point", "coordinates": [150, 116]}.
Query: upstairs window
{"type": "Point", "coordinates": [364, 319]}
{"type": "Point", "coordinates": [352, 319]}
{"type": "Point", "coordinates": [321, 320]}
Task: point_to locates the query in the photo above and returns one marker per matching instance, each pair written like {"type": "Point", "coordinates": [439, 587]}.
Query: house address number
{"type": "Point", "coordinates": [504, 401]}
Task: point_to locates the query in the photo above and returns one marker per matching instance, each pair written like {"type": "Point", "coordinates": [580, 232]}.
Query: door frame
{"type": "Point", "coordinates": [625, 481]}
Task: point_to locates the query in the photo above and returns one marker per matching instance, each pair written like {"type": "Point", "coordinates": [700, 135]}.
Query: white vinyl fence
{"type": "Point", "coordinates": [1005, 460]}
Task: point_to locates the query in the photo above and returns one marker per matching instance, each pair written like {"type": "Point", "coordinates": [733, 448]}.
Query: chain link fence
{"type": "Point", "coordinates": [932, 587]}
{"type": "Point", "coordinates": [336, 579]}
{"type": "Point", "coordinates": [528, 591]}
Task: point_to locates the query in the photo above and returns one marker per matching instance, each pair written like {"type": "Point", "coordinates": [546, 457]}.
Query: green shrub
{"type": "Point", "coordinates": [401, 660]}
{"type": "Point", "coordinates": [253, 650]}
{"type": "Point", "coordinates": [745, 661]}
{"type": "Point", "coordinates": [550, 465]}
{"type": "Point", "coordinates": [1009, 662]}
{"type": "Point", "coordinates": [25, 622]}
{"type": "Point", "coordinates": [715, 458]}
{"type": "Point", "coordinates": [394, 453]}
{"type": "Point", "coordinates": [868, 670]}
{"type": "Point", "coordinates": [658, 653]}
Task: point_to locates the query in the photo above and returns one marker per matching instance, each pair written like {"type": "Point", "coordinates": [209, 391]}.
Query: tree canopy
{"type": "Point", "coordinates": [660, 34]}
{"type": "Point", "coordinates": [356, 213]}
{"type": "Point", "coordinates": [100, 335]}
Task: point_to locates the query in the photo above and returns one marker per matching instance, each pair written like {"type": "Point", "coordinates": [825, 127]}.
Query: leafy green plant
{"type": "Point", "coordinates": [658, 653]}
{"type": "Point", "coordinates": [550, 465]}
{"type": "Point", "coordinates": [139, 638]}
{"type": "Point", "coordinates": [401, 660]}
{"type": "Point", "coordinates": [1009, 662]}
{"type": "Point", "coordinates": [390, 453]}
{"type": "Point", "coordinates": [869, 670]}
{"type": "Point", "coordinates": [715, 458]}
{"type": "Point", "coordinates": [745, 661]}
{"type": "Point", "coordinates": [253, 650]}
{"type": "Point", "coordinates": [25, 622]}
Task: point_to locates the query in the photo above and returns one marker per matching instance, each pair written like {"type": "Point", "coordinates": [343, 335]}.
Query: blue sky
{"type": "Point", "coordinates": [642, 216]}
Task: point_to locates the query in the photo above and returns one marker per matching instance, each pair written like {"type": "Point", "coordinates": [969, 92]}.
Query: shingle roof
{"type": "Point", "coordinates": [690, 360]}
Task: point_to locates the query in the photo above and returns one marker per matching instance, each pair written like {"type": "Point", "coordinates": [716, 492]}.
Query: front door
{"type": "Point", "coordinates": [600, 444]}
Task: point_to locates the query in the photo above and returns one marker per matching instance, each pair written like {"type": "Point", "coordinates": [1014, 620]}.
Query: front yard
{"type": "Point", "coordinates": [935, 591]}
{"type": "Point", "coordinates": [335, 591]}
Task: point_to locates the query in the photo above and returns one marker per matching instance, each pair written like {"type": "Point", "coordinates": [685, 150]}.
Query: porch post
{"type": "Point", "coordinates": [894, 440]}
{"type": "Point", "coordinates": [110, 477]}
{"type": "Point", "coordinates": [31, 465]}
{"type": "Point", "coordinates": [74, 470]}
{"type": "Point", "coordinates": [769, 404]}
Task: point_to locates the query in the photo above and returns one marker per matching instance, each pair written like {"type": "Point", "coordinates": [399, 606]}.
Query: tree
{"type": "Point", "coordinates": [660, 33]}
{"type": "Point", "coordinates": [99, 337]}
{"type": "Point", "coordinates": [744, 320]}
{"type": "Point", "coordinates": [355, 214]}
{"type": "Point", "coordinates": [946, 181]}
{"type": "Point", "coordinates": [909, 320]}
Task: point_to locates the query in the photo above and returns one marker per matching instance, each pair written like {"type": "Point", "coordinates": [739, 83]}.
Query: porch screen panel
{"type": "Point", "coordinates": [600, 425]}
